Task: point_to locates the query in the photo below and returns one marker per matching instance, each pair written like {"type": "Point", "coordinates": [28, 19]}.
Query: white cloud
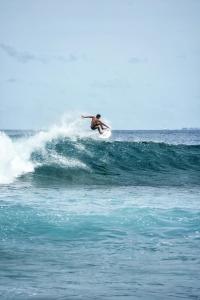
{"type": "Point", "coordinates": [25, 57]}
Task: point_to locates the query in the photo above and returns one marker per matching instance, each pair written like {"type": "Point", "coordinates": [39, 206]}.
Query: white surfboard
{"type": "Point", "coordinates": [106, 134]}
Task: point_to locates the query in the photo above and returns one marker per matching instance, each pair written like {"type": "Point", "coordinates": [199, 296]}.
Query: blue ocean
{"type": "Point", "coordinates": [87, 218]}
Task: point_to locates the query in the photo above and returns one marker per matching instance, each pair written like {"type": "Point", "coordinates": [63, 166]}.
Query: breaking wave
{"type": "Point", "coordinates": [63, 155]}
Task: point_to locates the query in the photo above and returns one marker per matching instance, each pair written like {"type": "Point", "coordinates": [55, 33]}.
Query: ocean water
{"type": "Point", "coordinates": [86, 218]}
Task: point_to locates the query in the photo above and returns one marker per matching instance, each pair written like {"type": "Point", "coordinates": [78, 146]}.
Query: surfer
{"type": "Point", "coordinates": [96, 123]}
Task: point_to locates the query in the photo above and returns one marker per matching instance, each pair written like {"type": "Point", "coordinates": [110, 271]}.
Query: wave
{"type": "Point", "coordinates": [118, 163]}
{"type": "Point", "coordinates": [15, 152]}
{"type": "Point", "coordinates": [60, 156]}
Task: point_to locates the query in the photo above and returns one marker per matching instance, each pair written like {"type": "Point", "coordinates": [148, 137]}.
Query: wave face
{"type": "Point", "coordinates": [58, 156]}
{"type": "Point", "coordinates": [117, 163]}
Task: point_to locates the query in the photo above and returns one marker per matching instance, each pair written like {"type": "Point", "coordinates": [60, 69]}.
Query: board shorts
{"type": "Point", "coordinates": [94, 127]}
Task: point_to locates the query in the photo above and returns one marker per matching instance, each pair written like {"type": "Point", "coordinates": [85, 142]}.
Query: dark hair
{"type": "Point", "coordinates": [98, 116]}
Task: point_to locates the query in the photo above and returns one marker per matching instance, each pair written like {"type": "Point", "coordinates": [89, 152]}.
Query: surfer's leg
{"type": "Point", "coordinates": [98, 127]}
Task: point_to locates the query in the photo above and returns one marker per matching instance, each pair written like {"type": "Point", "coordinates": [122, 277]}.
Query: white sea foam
{"type": "Point", "coordinates": [12, 161]}
{"type": "Point", "coordinates": [66, 162]}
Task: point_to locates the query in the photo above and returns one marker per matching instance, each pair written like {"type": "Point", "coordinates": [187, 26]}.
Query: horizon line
{"type": "Point", "coordinates": [166, 129]}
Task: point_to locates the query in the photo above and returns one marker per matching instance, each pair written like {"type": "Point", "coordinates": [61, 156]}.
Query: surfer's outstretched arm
{"type": "Point", "coordinates": [87, 117]}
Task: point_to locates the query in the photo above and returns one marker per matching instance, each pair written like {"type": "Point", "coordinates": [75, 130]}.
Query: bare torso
{"type": "Point", "coordinates": [95, 122]}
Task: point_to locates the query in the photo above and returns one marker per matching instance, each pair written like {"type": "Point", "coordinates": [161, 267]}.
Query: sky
{"type": "Point", "coordinates": [136, 62]}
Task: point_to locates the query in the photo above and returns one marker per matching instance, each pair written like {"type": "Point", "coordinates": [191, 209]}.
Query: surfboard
{"type": "Point", "coordinates": [106, 134]}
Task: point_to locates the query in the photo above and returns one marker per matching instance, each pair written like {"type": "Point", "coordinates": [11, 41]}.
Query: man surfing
{"type": "Point", "coordinates": [96, 123]}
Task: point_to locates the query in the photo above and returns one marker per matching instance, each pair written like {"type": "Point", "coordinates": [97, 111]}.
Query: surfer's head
{"type": "Point", "coordinates": [98, 116]}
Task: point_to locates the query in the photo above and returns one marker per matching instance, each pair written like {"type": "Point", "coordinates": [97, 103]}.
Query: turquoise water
{"type": "Point", "coordinates": [82, 218]}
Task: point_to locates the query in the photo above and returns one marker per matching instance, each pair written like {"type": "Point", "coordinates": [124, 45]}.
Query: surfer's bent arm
{"type": "Point", "coordinates": [105, 125]}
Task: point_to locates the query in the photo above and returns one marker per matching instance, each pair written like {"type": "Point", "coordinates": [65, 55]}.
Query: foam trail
{"type": "Point", "coordinates": [15, 156]}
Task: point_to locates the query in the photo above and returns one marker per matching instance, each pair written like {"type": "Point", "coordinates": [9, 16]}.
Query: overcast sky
{"type": "Point", "coordinates": [137, 62]}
